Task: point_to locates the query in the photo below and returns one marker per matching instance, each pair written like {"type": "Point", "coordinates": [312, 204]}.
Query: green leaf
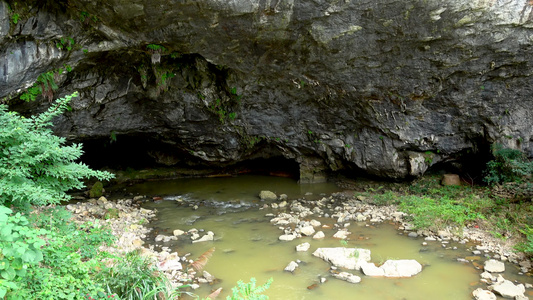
{"type": "Point", "coordinates": [30, 256]}
{"type": "Point", "coordinates": [21, 272]}
{"type": "Point", "coordinates": [8, 274]}
{"type": "Point", "coordinates": [3, 292]}
{"type": "Point", "coordinates": [4, 264]}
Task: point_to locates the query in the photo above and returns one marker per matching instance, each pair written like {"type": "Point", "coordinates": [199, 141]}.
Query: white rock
{"type": "Point", "coordinates": [521, 297]}
{"type": "Point", "coordinates": [282, 204]}
{"type": "Point", "coordinates": [349, 258]}
{"type": "Point", "coordinates": [351, 278]}
{"type": "Point", "coordinates": [341, 234]}
{"type": "Point", "coordinates": [315, 223]}
{"type": "Point", "coordinates": [267, 195]}
{"type": "Point", "coordinates": [486, 275]}
{"type": "Point", "coordinates": [274, 205]}
{"type": "Point", "coordinates": [208, 237]}
{"type": "Point", "coordinates": [303, 247]}
{"type": "Point", "coordinates": [307, 230]}
{"type": "Point", "coordinates": [178, 232]}
{"type": "Point", "coordinates": [291, 266]}
{"type": "Point", "coordinates": [287, 237]}
{"type": "Point", "coordinates": [319, 235]}
{"type": "Point", "coordinates": [481, 294]}
{"type": "Point", "coordinates": [494, 266]}
{"type": "Point", "coordinates": [370, 269]}
{"type": "Point", "coordinates": [283, 197]}
{"type": "Point", "coordinates": [508, 290]}
{"type": "Point", "coordinates": [401, 268]}
{"type": "Point", "coordinates": [171, 262]}
{"type": "Point", "coordinates": [360, 217]}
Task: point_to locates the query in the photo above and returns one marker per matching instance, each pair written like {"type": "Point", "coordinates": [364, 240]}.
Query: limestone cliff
{"type": "Point", "coordinates": [389, 87]}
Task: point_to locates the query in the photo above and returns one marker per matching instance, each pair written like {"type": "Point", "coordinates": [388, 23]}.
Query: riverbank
{"type": "Point", "coordinates": [365, 205]}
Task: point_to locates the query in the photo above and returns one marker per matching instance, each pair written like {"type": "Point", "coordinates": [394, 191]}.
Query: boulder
{"type": "Point", "coordinates": [315, 223]}
{"type": "Point", "coordinates": [481, 294]}
{"type": "Point", "coordinates": [319, 235]}
{"type": "Point", "coordinates": [307, 230]}
{"type": "Point", "coordinates": [401, 268]}
{"type": "Point", "coordinates": [171, 262]}
{"type": "Point", "coordinates": [370, 269]}
{"type": "Point", "coordinates": [178, 232]}
{"type": "Point", "coordinates": [303, 247]}
{"type": "Point", "coordinates": [208, 237]}
{"type": "Point", "coordinates": [96, 190]}
{"type": "Point", "coordinates": [291, 267]}
{"type": "Point", "coordinates": [268, 196]}
{"type": "Point", "coordinates": [451, 179]}
{"type": "Point", "coordinates": [341, 234]}
{"type": "Point", "coordinates": [349, 277]}
{"type": "Point", "coordinates": [287, 237]}
{"type": "Point", "coordinates": [494, 266]}
{"type": "Point", "coordinates": [348, 258]}
{"type": "Point", "coordinates": [509, 290]}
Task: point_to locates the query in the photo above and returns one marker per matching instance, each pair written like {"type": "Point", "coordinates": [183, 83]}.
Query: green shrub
{"type": "Point", "coordinates": [509, 165]}
{"type": "Point", "coordinates": [134, 277]}
{"type": "Point", "coordinates": [20, 246]}
{"type": "Point", "coordinates": [36, 167]}
{"type": "Point", "coordinates": [249, 291]}
{"type": "Point", "coordinates": [68, 256]}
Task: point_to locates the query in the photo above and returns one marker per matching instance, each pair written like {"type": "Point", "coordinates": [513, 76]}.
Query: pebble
{"type": "Point", "coordinates": [412, 234]}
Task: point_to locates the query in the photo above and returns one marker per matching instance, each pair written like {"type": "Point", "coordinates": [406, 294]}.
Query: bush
{"type": "Point", "coordinates": [134, 277]}
{"type": "Point", "coordinates": [46, 256]}
{"type": "Point", "coordinates": [249, 291]}
{"type": "Point", "coordinates": [36, 167]}
{"type": "Point", "coordinates": [509, 165]}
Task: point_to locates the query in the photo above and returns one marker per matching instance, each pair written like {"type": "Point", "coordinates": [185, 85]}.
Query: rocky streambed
{"type": "Point", "coordinates": [304, 218]}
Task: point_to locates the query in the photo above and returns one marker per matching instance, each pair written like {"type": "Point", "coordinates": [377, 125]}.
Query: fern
{"type": "Point", "coordinates": [249, 291]}
{"type": "Point", "coordinates": [36, 168]}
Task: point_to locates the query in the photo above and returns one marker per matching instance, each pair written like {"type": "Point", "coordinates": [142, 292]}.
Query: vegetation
{"type": "Point", "coordinates": [46, 255]}
{"type": "Point", "coordinates": [36, 167]}
{"type": "Point", "coordinates": [45, 85]}
{"type": "Point", "coordinates": [433, 206]}
{"type": "Point", "coordinates": [249, 291]}
{"type": "Point", "coordinates": [509, 165]}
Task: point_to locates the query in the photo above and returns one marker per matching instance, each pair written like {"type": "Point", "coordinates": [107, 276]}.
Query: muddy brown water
{"type": "Point", "coordinates": [247, 243]}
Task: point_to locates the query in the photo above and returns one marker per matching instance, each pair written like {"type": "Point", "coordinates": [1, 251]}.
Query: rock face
{"type": "Point", "coordinates": [390, 87]}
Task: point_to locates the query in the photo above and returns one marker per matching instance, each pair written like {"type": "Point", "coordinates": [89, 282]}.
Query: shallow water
{"type": "Point", "coordinates": [247, 244]}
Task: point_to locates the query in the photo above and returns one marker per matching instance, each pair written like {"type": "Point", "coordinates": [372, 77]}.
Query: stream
{"type": "Point", "coordinates": [247, 243]}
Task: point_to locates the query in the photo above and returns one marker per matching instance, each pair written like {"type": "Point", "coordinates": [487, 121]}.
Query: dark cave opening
{"type": "Point", "coordinates": [138, 153]}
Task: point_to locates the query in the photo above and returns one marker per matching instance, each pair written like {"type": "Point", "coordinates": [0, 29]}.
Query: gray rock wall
{"type": "Point", "coordinates": [390, 87]}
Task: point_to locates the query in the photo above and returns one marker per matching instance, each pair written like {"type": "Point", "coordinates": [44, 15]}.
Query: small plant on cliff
{"type": "Point", "coordinates": [45, 85]}
{"type": "Point", "coordinates": [36, 168]}
{"type": "Point", "coordinates": [156, 51]}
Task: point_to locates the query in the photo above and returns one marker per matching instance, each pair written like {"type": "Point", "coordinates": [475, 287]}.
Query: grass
{"type": "Point", "coordinates": [435, 207]}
